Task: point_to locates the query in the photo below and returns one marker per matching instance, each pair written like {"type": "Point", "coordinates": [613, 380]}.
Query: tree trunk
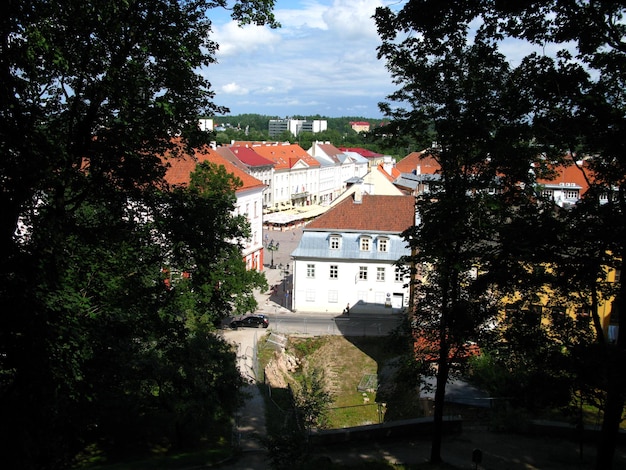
{"type": "Point", "coordinates": [615, 393]}
{"type": "Point", "coordinates": [610, 428]}
{"type": "Point", "coordinates": [440, 393]}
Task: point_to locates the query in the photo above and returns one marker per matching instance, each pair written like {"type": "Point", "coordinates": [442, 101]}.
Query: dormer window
{"type": "Point", "coordinates": [383, 244]}
{"type": "Point", "coordinates": [366, 243]}
{"type": "Point", "coordinates": [335, 242]}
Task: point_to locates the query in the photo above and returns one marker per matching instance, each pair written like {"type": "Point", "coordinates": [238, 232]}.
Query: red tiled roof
{"type": "Point", "coordinates": [249, 157]}
{"type": "Point", "coordinates": [375, 213]}
{"type": "Point", "coordinates": [181, 166]}
{"type": "Point", "coordinates": [395, 173]}
{"type": "Point", "coordinates": [285, 156]}
{"type": "Point", "coordinates": [230, 156]}
{"type": "Point", "coordinates": [426, 163]}
{"type": "Point", "coordinates": [570, 174]}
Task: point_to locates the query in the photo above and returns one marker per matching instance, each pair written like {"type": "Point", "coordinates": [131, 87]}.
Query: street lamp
{"type": "Point", "coordinates": [284, 271]}
{"type": "Point", "coordinates": [272, 247]}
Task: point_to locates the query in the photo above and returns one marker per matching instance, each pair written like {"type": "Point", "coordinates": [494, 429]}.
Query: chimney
{"type": "Point", "coordinates": [358, 196]}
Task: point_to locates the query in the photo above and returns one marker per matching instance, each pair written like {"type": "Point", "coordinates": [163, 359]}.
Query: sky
{"type": "Point", "coordinates": [321, 61]}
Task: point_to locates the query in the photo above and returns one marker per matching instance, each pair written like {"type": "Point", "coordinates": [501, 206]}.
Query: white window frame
{"type": "Point", "coordinates": [383, 244]}
{"type": "Point", "coordinates": [380, 274]}
{"type": "Point", "coordinates": [310, 271]}
{"type": "Point", "coordinates": [362, 273]}
{"type": "Point", "coordinates": [335, 242]}
{"type": "Point", "coordinates": [365, 243]}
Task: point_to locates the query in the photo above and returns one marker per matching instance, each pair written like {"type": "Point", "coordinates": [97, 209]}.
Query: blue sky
{"type": "Point", "coordinates": [321, 61]}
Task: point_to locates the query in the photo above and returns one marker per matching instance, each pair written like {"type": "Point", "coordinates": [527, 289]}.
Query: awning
{"type": "Point", "coordinates": [293, 215]}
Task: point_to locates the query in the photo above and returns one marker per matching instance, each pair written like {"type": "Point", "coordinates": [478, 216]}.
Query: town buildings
{"type": "Point", "coordinates": [249, 196]}
{"type": "Point", "coordinates": [349, 256]}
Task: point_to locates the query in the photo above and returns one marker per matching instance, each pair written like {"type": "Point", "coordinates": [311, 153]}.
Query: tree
{"type": "Point", "coordinates": [459, 92]}
{"type": "Point", "coordinates": [572, 104]}
{"type": "Point", "coordinates": [312, 399]}
{"type": "Point", "coordinates": [90, 337]}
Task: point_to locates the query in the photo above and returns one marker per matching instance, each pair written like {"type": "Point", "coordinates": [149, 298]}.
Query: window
{"type": "Point", "coordinates": [310, 271]}
{"type": "Point", "coordinates": [571, 194]}
{"type": "Point", "coordinates": [363, 273]}
{"type": "Point", "coordinates": [334, 271]}
{"type": "Point", "coordinates": [334, 242]}
{"type": "Point", "coordinates": [333, 296]}
{"type": "Point", "coordinates": [365, 243]}
{"type": "Point", "coordinates": [397, 275]}
{"type": "Point", "coordinates": [380, 274]}
{"type": "Point", "coordinates": [383, 245]}
{"type": "Point", "coordinates": [310, 295]}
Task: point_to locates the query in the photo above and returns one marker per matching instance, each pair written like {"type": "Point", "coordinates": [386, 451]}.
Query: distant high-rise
{"type": "Point", "coordinates": [295, 126]}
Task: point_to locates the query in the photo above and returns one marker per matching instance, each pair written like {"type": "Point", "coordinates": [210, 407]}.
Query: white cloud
{"type": "Point", "coordinates": [234, 40]}
{"type": "Point", "coordinates": [352, 19]}
{"type": "Point", "coordinates": [322, 60]}
{"type": "Point", "coordinates": [309, 15]}
{"type": "Point", "coordinates": [234, 89]}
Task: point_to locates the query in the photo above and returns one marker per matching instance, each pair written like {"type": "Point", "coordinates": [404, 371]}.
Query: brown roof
{"type": "Point", "coordinates": [285, 156]}
{"type": "Point", "coordinates": [181, 167]}
{"type": "Point", "coordinates": [375, 213]}
{"type": "Point", "coordinates": [426, 163]}
{"type": "Point", "coordinates": [330, 150]}
{"type": "Point", "coordinates": [570, 173]}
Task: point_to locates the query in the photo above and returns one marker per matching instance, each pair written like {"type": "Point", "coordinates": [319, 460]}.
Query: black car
{"type": "Point", "coordinates": [253, 321]}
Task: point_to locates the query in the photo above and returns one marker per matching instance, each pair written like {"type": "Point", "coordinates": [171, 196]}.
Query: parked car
{"type": "Point", "coordinates": [255, 320]}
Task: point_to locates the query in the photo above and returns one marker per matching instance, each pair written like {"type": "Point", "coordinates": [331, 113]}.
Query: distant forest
{"type": "Point", "coordinates": [254, 127]}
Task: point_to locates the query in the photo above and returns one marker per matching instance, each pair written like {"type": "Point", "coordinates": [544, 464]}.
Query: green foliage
{"type": "Point", "coordinates": [312, 398]}
{"type": "Point", "coordinates": [492, 119]}
{"type": "Point", "coordinates": [305, 348]}
{"type": "Point", "coordinates": [94, 347]}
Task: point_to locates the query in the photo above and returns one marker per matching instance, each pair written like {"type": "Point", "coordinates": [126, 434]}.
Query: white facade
{"type": "Point", "coordinates": [250, 204]}
{"type": "Point", "coordinates": [206, 124]}
{"type": "Point", "coordinates": [295, 126]}
{"type": "Point", "coordinates": [333, 269]}
{"type": "Point", "coordinates": [264, 174]}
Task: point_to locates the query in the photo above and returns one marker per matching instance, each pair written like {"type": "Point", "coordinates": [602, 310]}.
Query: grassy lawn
{"type": "Point", "coordinates": [346, 361]}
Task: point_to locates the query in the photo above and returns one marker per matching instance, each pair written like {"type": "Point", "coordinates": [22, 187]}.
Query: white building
{"type": "Point", "coordinates": [295, 126]}
{"type": "Point", "coordinates": [336, 170]}
{"type": "Point", "coordinates": [348, 255]}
